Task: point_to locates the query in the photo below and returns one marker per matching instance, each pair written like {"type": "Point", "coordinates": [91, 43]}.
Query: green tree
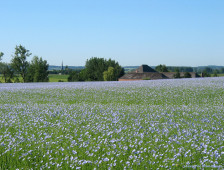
{"type": "Point", "coordinates": [1, 64]}
{"type": "Point", "coordinates": [83, 75]}
{"type": "Point", "coordinates": [37, 70]}
{"type": "Point", "coordinates": [109, 75]}
{"type": "Point", "coordinates": [177, 74]}
{"type": "Point", "coordinates": [215, 73]}
{"type": "Point", "coordinates": [187, 75]}
{"type": "Point", "coordinates": [67, 70]}
{"type": "Point", "coordinates": [161, 68]}
{"type": "Point", "coordinates": [95, 67]}
{"type": "Point", "coordinates": [7, 73]}
{"type": "Point", "coordinates": [6, 70]}
{"type": "Point", "coordinates": [222, 70]}
{"type": "Point", "coordinates": [208, 70]}
{"type": "Point", "coordinates": [205, 72]}
{"type": "Point", "coordinates": [118, 70]}
{"type": "Point", "coordinates": [19, 62]}
{"type": "Point", "coordinates": [74, 76]}
{"type": "Point", "coordinates": [1, 54]}
{"type": "Point", "coordinates": [187, 69]}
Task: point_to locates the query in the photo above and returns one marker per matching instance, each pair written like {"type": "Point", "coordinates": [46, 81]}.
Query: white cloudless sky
{"type": "Point", "coordinates": [133, 32]}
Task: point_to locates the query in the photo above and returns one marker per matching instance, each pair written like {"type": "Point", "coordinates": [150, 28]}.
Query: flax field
{"type": "Point", "coordinates": [151, 124]}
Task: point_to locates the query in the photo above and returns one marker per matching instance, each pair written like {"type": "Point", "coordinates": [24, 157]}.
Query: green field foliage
{"type": "Point", "coordinates": [57, 78]}
{"type": "Point", "coordinates": [219, 75]}
{"type": "Point", "coordinates": [161, 124]}
{"type": "Point", "coordinates": [52, 78]}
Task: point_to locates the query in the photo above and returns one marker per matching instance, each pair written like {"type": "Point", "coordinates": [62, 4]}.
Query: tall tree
{"type": "Point", "coordinates": [19, 62]}
{"type": "Point", "coordinates": [118, 70]}
{"type": "Point", "coordinates": [74, 76]}
{"type": "Point", "coordinates": [187, 75]}
{"type": "Point", "coordinates": [208, 70]}
{"type": "Point", "coordinates": [215, 73]}
{"type": "Point", "coordinates": [1, 64]}
{"type": "Point", "coordinates": [177, 74]}
{"type": "Point", "coordinates": [6, 70]}
{"type": "Point", "coordinates": [37, 70]}
{"type": "Point", "coordinates": [1, 54]}
{"type": "Point", "coordinates": [161, 68]}
{"type": "Point", "coordinates": [222, 70]}
{"type": "Point", "coordinates": [205, 73]}
{"type": "Point", "coordinates": [95, 67]}
{"type": "Point", "coordinates": [109, 75]}
{"type": "Point", "coordinates": [7, 73]}
{"type": "Point", "coordinates": [83, 75]}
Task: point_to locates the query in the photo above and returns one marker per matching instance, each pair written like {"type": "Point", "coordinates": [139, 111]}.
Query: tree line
{"type": "Point", "coordinates": [98, 69]}
{"type": "Point", "coordinates": [34, 71]}
{"type": "Point", "coordinates": [203, 71]}
{"type": "Point", "coordinates": [164, 68]}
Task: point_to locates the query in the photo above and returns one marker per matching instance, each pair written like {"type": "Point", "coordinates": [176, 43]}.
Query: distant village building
{"type": "Point", "coordinates": [62, 67]}
{"type": "Point", "coordinates": [144, 72]}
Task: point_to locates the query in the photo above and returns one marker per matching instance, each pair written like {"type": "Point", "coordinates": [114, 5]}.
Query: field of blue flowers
{"type": "Point", "coordinates": [161, 124]}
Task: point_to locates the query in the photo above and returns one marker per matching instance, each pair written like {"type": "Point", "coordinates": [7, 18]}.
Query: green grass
{"type": "Point", "coordinates": [52, 78]}
{"type": "Point", "coordinates": [57, 77]}
{"type": "Point", "coordinates": [219, 75]}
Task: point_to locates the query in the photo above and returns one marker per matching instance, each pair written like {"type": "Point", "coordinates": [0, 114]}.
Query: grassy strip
{"type": "Point", "coordinates": [52, 78]}
{"type": "Point", "coordinates": [57, 78]}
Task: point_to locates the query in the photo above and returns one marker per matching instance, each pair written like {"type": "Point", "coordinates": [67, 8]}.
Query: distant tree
{"type": "Point", "coordinates": [222, 70]}
{"type": "Point", "coordinates": [187, 69]}
{"type": "Point", "coordinates": [158, 68]}
{"type": "Point", "coordinates": [7, 73]}
{"type": "Point", "coordinates": [95, 67]}
{"type": "Point", "coordinates": [165, 69]}
{"type": "Point", "coordinates": [83, 75]}
{"type": "Point", "coordinates": [6, 70]}
{"type": "Point", "coordinates": [74, 76]}
{"type": "Point", "coordinates": [161, 68]}
{"type": "Point", "coordinates": [187, 75]}
{"type": "Point", "coordinates": [208, 70]}
{"type": "Point", "coordinates": [215, 73]}
{"type": "Point", "coordinates": [19, 62]}
{"type": "Point", "coordinates": [1, 64]}
{"type": "Point", "coordinates": [205, 73]}
{"type": "Point", "coordinates": [66, 70]}
{"type": "Point", "coordinates": [54, 71]}
{"type": "Point", "coordinates": [118, 70]}
{"type": "Point", "coordinates": [177, 74]}
{"type": "Point", "coordinates": [37, 70]}
{"type": "Point", "coordinates": [195, 69]}
{"type": "Point", "coordinates": [109, 75]}
{"type": "Point", "coordinates": [1, 54]}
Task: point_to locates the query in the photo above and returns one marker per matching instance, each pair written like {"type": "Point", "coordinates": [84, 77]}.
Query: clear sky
{"type": "Point", "coordinates": [132, 32]}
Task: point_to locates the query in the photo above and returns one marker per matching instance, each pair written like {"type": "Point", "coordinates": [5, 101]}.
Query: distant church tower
{"type": "Point", "coordinates": [62, 68]}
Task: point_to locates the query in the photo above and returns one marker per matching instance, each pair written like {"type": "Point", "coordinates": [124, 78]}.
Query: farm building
{"type": "Point", "coordinates": [144, 72]}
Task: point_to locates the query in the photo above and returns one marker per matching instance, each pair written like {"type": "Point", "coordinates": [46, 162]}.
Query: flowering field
{"type": "Point", "coordinates": [165, 124]}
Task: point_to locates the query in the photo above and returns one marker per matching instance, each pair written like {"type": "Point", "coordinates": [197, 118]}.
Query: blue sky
{"type": "Point", "coordinates": [153, 32]}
